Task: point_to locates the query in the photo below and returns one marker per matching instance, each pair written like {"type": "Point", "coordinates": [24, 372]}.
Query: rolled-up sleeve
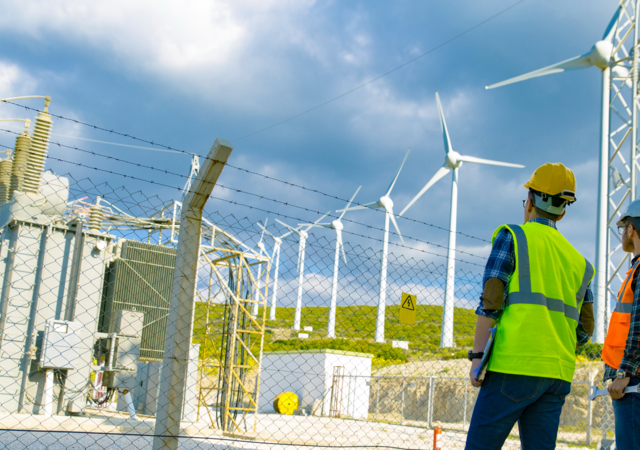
{"type": "Point", "coordinates": [582, 336]}
{"type": "Point", "coordinates": [501, 265]}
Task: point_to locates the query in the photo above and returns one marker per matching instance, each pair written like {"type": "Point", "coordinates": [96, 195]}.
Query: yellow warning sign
{"type": "Point", "coordinates": [408, 309]}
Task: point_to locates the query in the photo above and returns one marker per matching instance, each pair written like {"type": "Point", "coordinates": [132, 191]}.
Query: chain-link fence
{"type": "Point", "coordinates": [128, 321]}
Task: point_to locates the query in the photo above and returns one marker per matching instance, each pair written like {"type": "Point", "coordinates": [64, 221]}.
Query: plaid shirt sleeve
{"type": "Point", "coordinates": [631, 359]}
{"type": "Point", "coordinates": [501, 264]}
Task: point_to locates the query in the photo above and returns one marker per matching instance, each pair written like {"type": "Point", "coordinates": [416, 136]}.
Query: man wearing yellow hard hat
{"type": "Point", "coordinates": [537, 308]}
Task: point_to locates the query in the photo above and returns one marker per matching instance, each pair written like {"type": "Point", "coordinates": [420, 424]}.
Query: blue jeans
{"type": "Point", "coordinates": [504, 399]}
{"type": "Point", "coordinates": [627, 412]}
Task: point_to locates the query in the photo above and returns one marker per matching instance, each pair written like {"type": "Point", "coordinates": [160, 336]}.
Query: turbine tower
{"type": "Point", "coordinates": [336, 225]}
{"type": "Point", "coordinates": [277, 242]}
{"type": "Point", "coordinates": [260, 246]}
{"type": "Point", "coordinates": [452, 162]}
{"type": "Point", "coordinates": [303, 235]}
{"type": "Point", "coordinates": [385, 203]}
{"type": "Point", "coordinates": [616, 53]}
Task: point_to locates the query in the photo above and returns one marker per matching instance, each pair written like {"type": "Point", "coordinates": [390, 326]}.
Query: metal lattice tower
{"type": "Point", "coordinates": [618, 159]}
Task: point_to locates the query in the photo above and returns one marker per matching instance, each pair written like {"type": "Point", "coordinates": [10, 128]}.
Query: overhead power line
{"type": "Point", "coordinates": [131, 177]}
{"type": "Point", "coordinates": [241, 169]}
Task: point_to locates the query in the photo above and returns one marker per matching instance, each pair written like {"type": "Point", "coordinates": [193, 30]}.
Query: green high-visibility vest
{"type": "Point", "coordinates": [536, 333]}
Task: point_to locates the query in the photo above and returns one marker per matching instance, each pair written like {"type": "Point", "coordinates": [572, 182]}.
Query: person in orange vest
{"type": "Point", "coordinates": [621, 350]}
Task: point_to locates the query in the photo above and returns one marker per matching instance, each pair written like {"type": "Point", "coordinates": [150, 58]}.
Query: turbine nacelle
{"type": "Point", "coordinates": [452, 160]}
{"type": "Point", "coordinates": [600, 54]}
{"type": "Point", "coordinates": [337, 225]}
{"type": "Point", "coordinates": [386, 203]}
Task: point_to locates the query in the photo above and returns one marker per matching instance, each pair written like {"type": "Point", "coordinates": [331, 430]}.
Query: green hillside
{"type": "Point", "coordinates": [354, 330]}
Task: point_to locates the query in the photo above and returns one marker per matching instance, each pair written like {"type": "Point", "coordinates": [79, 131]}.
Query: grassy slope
{"type": "Point", "coordinates": [354, 323]}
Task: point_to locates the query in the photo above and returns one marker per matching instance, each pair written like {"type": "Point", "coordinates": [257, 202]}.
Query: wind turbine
{"type": "Point", "coordinates": [256, 296]}
{"type": "Point", "coordinates": [452, 162]}
{"type": "Point", "coordinates": [385, 203]}
{"type": "Point", "coordinates": [335, 225]}
{"type": "Point", "coordinates": [303, 235]}
{"type": "Point", "coordinates": [599, 56]}
{"type": "Point", "coordinates": [277, 242]}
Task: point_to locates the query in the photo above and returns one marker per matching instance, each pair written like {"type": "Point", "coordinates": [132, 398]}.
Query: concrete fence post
{"type": "Point", "coordinates": [182, 306]}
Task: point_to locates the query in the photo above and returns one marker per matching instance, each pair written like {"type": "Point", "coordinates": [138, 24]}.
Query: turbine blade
{"type": "Point", "coordinates": [623, 72]}
{"type": "Point", "coordinates": [349, 203]}
{"type": "Point", "coordinates": [397, 174]}
{"type": "Point", "coordinates": [473, 159]}
{"type": "Point", "coordinates": [340, 243]}
{"type": "Point", "coordinates": [578, 62]}
{"type": "Point", "coordinates": [395, 224]}
{"type": "Point", "coordinates": [608, 33]}
{"type": "Point", "coordinates": [264, 229]}
{"type": "Point", "coordinates": [323, 225]}
{"type": "Point", "coordinates": [316, 222]}
{"type": "Point", "coordinates": [442, 171]}
{"type": "Point", "coordinates": [292, 230]}
{"type": "Point", "coordinates": [372, 205]}
{"type": "Point", "coordinates": [443, 126]}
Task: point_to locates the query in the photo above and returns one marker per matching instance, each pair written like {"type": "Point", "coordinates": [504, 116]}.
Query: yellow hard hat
{"type": "Point", "coordinates": [554, 179]}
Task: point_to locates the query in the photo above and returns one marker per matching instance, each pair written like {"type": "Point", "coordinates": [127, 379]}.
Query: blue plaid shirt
{"type": "Point", "coordinates": [501, 265]}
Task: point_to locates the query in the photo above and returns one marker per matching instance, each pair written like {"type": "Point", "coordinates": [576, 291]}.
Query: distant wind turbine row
{"type": "Point", "coordinates": [453, 161]}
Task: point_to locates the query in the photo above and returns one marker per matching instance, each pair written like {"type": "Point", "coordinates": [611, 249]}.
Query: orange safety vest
{"type": "Point", "coordinates": [616, 341]}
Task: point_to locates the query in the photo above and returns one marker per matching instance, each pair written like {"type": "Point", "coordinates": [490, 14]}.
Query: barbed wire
{"type": "Point", "coordinates": [267, 177]}
{"type": "Point", "coordinates": [131, 177]}
{"type": "Point", "coordinates": [262, 197]}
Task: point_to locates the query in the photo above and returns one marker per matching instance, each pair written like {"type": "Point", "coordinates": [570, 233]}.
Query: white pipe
{"type": "Point", "coordinates": [48, 393]}
{"type": "Point", "coordinates": [446, 334]}
{"type": "Point", "coordinates": [129, 401]}
{"type": "Point", "coordinates": [601, 296]}
{"type": "Point", "coordinates": [331, 328]}
{"type": "Point", "coordinates": [272, 311]}
{"type": "Point", "coordinates": [112, 350]}
{"type": "Point", "coordinates": [296, 321]}
{"type": "Point", "coordinates": [382, 298]}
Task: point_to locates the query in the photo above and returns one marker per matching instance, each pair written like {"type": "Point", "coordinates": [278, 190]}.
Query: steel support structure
{"type": "Point", "coordinates": [619, 158]}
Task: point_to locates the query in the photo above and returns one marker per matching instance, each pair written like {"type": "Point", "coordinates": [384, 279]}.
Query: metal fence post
{"type": "Point", "coordinates": [377, 397]}
{"type": "Point", "coordinates": [592, 378]}
{"type": "Point", "coordinates": [402, 399]}
{"type": "Point", "coordinates": [430, 404]}
{"type": "Point", "coordinates": [466, 396]}
{"type": "Point", "coordinates": [182, 305]}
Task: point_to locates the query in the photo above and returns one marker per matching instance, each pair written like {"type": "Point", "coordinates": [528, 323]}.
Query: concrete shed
{"type": "Point", "coordinates": [338, 381]}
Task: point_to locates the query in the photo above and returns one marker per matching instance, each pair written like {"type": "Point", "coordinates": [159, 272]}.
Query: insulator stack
{"type": "Point", "coordinates": [5, 179]}
{"type": "Point", "coordinates": [95, 218]}
{"type": "Point", "coordinates": [19, 166]}
{"type": "Point", "coordinates": [38, 152]}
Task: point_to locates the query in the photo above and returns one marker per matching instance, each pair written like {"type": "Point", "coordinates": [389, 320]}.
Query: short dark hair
{"type": "Point", "coordinates": [633, 222]}
{"type": "Point", "coordinates": [555, 201]}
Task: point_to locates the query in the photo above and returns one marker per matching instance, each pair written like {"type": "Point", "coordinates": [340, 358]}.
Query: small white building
{"type": "Point", "coordinates": [338, 381]}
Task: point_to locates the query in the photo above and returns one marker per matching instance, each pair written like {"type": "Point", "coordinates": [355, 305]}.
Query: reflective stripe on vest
{"type": "Point", "coordinates": [616, 340]}
{"type": "Point", "coordinates": [536, 332]}
{"type": "Point", "coordinates": [527, 297]}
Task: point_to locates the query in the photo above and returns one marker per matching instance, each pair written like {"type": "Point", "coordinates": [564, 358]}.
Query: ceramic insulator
{"type": "Point", "coordinates": [19, 167]}
{"type": "Point", "coordinates": [5, 179]}
{"type": "Point", "coordinates": [95, 218]}
{"type": "Point", "coordinates": [37, 153]}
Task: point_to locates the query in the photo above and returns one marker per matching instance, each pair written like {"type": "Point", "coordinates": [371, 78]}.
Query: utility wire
{"type": "Point", "coordinates": [240, 169]}
{"type": "Point", "coordinates": [247, 206]}
{"type": "Point", "coordinates": [261, 197]}
{"type": "Point", "coordinates": [380, 76]}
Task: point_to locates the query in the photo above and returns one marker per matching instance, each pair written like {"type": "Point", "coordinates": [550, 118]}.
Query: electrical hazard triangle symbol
{"type": "Point", "coordinates": [408, 309]}
{"type": "Point", "coordinates": [408, 303]}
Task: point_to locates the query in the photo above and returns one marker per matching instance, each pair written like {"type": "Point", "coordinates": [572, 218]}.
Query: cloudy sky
{"type": "Point", "coordinates": [184, 73]}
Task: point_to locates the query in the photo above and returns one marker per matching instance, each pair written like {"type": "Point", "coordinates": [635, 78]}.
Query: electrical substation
{"type": "Point", "coordinates": [84, 310]}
